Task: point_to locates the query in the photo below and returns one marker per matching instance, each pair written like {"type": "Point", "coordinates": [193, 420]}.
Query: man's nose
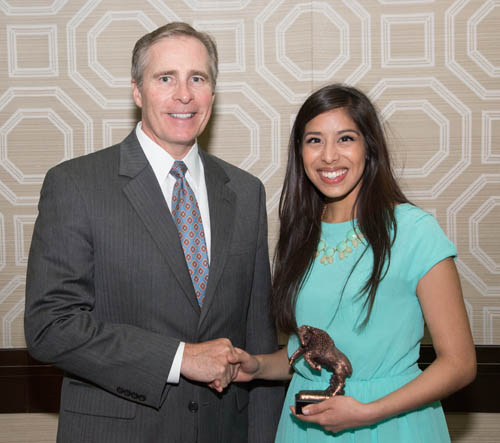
{"type": "Point", "coordinates": [183, 93]}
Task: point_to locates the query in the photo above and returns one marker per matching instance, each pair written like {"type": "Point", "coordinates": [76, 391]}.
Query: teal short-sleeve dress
{"type": "Point", "coordinates": [384, 354]}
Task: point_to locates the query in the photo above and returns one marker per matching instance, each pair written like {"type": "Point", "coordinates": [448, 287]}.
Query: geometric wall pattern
{"type": "Point", "coordinates": [432, 67]}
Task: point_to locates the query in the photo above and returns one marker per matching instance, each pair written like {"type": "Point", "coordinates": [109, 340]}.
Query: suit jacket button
{"type": "Point", "coordinates": [119, 390]}
{"type": "Point", "coordinates": [127, 392]}
{"type": "Point", "coordinates": [193, 406]}
{"type": "Point", "coordinates": [141, 398]}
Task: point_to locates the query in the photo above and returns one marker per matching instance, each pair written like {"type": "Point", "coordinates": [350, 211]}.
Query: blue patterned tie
{"type": "Point", "coordinates": [187, 217]}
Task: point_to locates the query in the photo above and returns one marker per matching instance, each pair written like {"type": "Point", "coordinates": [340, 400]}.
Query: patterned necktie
{"type": "Point", "coordinates": [187, 217]}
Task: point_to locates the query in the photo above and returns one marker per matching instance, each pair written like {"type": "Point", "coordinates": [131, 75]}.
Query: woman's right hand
{"type": "Point", "coordinates": [249, 366]}
{"type": "Point", "coordinates": [246, 367]}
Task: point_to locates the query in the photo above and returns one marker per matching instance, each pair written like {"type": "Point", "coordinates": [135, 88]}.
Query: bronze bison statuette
{"type": "Point", "coordinates": [319, 352]}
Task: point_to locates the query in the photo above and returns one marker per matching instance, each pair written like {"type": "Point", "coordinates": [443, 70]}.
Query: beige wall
{"type": "Point", "coordinates": [433, 68]}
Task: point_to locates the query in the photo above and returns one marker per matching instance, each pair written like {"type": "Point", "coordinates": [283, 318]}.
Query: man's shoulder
{"type": "Point", "coordinates": [89, 163]}
{"type": "Point", "coordinates": [93, 162]}
{"type": "Point", "coordinates": [233, 172]}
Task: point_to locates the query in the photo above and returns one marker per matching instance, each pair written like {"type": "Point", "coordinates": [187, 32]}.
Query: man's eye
{"type": "Point", "coordinates": [198, 79]}
{"type": "Point", "coordinates": [164, 79]}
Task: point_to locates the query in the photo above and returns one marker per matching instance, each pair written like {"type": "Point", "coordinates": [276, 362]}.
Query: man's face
{"type": "Point", "coordinates": [176, 95]}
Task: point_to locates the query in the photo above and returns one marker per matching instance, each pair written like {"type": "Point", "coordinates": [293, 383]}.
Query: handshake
{"type": "Point", "coordinates": [217, 363]}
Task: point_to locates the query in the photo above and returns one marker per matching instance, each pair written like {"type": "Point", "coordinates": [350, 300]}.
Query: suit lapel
{"type": "Point", "coordinates": [145, 195]}
{"type": "Point", "coordinates": [221, 201]}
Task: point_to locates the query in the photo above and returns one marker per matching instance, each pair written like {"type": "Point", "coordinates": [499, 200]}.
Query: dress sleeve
{"type": "Point", "coordinates": [428, 245]}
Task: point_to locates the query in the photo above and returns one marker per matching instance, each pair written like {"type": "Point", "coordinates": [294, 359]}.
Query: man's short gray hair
{"type": "Point", "coordinates": [174, 29]}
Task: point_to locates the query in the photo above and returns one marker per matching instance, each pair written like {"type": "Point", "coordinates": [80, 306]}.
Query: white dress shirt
{"type": "Point", "coordinates": [161, 162]}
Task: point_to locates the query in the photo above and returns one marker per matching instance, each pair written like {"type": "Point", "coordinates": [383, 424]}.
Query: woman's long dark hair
{"type": "Point", "coordinates": [301, 204]}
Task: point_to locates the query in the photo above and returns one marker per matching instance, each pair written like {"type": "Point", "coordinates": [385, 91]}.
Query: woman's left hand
{"type": "Point", "coordinates": [336, 413]}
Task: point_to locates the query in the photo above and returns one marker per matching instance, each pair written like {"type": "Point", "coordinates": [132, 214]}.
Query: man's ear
{"type": "Point", "coordinates": [136, 94]}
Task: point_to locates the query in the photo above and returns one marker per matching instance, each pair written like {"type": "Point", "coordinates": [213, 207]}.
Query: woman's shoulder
{"type": "Point", "coordinates": [409, 215]}
{"type": "Point", "coordinates": [408, 211]}
{"type": "Point", "coordinates": [414, 222]}
{"type": "Point", "coordinates": [420, 241]}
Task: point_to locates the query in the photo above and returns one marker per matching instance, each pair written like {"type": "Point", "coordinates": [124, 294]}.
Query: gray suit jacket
{"type": "Point", "coordinates": [109, 297]}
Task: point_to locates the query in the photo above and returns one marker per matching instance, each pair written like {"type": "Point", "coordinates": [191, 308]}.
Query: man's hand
{"type": "Point", "coordinates": [209, 362]}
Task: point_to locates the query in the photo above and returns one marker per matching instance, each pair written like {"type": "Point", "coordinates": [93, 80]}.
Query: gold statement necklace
{"type": "Point", "coordinates": [353, 239]}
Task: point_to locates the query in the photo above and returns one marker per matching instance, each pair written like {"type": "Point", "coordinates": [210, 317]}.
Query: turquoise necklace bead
{"type": "Point", "coordinates": [343, 248]}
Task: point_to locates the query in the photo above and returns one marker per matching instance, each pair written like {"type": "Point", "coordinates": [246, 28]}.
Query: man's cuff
{"type": "Point", "coordinates": [175, 370]}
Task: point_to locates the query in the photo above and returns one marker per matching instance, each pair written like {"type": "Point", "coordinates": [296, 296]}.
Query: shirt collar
{"type": "Point", "coordinates": [161, 161]}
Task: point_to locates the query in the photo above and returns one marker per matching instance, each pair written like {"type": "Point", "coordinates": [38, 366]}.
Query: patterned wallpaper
{"type": "Point", "coordinates": [432, 67]}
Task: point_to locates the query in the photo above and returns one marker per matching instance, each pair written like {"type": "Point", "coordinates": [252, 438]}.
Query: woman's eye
{"type": "Point", "coordinates": [313, 140]}
{"type": "Point", "coordinates": [346, 138]}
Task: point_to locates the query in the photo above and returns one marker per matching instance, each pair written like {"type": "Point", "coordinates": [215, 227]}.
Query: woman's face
{"type": "Point", "coordinates": [333, 154]}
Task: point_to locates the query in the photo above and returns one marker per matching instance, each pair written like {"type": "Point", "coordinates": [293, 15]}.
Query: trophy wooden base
{"type": "Point", "coordinates": [304, 398]}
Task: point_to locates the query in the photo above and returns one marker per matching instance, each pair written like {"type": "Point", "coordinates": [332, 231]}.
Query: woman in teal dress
{"type": "Point", "coordinates": [356, 259]}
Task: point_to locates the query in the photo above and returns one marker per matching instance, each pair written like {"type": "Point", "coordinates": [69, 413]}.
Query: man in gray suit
{"type": "Point", "coordinates": [112, 297]}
